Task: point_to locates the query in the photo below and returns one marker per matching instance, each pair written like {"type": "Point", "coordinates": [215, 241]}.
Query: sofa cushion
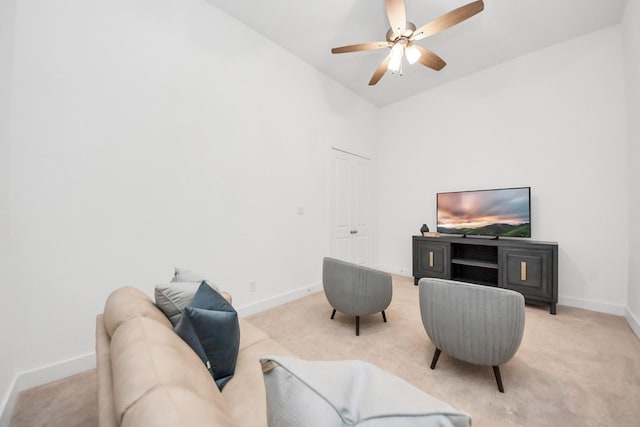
{"type": "Point", "coordinates": [346, 393]}
{"type": "Point", "coordinates": [210, 327]}
{"type": "Point", "coordinates": [126, 303]}
{"type": "Point", "coordinates": [250, 334]}
{"type": "Point", "coordinates": [146, 355]}
{"type": "Point", "coordinates": [173, 406]}
{"type": "Point", "coordinates": [246, 389]}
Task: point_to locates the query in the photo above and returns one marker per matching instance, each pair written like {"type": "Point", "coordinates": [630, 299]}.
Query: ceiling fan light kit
{"type": "Point", "coordinates": [402, 35]}
{"type": "Point", "coordinates": [413, 54]}
{"type": "Point", "coordinates": [397, 51]}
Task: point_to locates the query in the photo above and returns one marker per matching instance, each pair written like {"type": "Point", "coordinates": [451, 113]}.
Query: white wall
{"type": "Point", "coordinates": [7, 372]}
{"type": "Point", "coordinates": [631, 39]}
{"type": "Point", "coordinates": [149, 134]}
{"type": "Point", "coordinates": [143, 136]}
{"type": "Point", "coordinates": [553, 120]}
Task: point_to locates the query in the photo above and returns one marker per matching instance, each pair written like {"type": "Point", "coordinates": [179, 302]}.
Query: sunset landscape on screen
{"type": "Point", "coordinates": [502, 212]}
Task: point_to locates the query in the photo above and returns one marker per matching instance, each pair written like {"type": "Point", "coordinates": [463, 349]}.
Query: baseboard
{"type": "Point", "coordinates": [8, 404]}
{"type": "Point", "coordinates": [43, 375]}
{"type": "Point", "coordinates": [602, 307]}
{"type": "Point", "coordinates": [633, 321]}
{"type": "Point", "coordinates": [400, 271]}
{"type": "Point", "coordinates": [277, 300]}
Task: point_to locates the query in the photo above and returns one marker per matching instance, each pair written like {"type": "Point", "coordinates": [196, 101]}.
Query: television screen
{"type": "Point", "coordinates": [502, 212]}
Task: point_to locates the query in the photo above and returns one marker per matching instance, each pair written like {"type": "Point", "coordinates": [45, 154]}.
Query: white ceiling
{"type": "Point", "coordinates": [505, 29]}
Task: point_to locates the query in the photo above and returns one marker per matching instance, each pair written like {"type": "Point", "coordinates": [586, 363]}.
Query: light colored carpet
{"type": "Point", "coordinates": [69, 402]}
{"type": "Point", "coordinates": [579, 368]}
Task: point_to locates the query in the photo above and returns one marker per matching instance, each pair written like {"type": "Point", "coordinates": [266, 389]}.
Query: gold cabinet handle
{"type": "Point", "coordinates": [523, 271]}
{"type": "Point", "coordinates": [431, 259]}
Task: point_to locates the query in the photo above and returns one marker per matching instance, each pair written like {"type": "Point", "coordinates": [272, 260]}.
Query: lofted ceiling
{"type": "Point", "coordinates": [506, 29]}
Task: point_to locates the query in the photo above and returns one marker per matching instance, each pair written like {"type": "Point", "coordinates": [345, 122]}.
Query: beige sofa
{"type": "Point", "coordinates": [148, 376]}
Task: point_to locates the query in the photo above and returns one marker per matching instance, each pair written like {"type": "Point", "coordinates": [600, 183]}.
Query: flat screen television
{"type": "Point", "coordinates": [501, 212]}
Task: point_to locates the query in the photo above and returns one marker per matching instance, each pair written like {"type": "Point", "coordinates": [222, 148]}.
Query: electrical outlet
{"type": "Point", "coordinates": [252, 286]}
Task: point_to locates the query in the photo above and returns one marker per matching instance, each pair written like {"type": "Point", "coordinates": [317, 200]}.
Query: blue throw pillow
{"type": "Point", "coordinates": [210, 327]}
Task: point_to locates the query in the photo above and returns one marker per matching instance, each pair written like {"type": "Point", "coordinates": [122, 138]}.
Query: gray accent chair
{"type": "Point", "coordinates": [477, 324]}
{"type": "Point", "coordinates": [355, 290]}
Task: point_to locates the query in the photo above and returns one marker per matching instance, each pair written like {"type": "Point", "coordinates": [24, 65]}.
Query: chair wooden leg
{"type": "Point", "coordinates": [384, 317]}
{"type": "Point", "coordinates": [357, 326]}
{"type": "Point", "coordinates": [333, 314]}
{"type": "Point", "coordinates": [435, 358]}
{"type": "Point", "coordinates": [496, 372]}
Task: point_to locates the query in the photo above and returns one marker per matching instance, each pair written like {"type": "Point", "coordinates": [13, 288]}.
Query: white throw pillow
{"type": "Point", "coordinates": [348, 393]}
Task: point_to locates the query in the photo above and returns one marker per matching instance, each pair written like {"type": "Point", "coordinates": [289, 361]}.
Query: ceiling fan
{"type": "Point", "coordinates": [402, 36]}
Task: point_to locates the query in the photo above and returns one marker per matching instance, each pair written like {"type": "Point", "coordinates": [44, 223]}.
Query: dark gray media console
{"type": "Point", "coordinates": [526, 266]}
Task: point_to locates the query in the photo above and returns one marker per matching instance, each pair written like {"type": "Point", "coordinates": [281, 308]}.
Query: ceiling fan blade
{"type": "Point", "coordinates": [448, 20]}
{"type": "Point", "coordinates": [360, 47]}
{"type": "Point", "coordinates": [397, 16]}
{"type": "Point", "coordinates": [382, 68]}
{"type": "Point", "coordinates": [430, 59]}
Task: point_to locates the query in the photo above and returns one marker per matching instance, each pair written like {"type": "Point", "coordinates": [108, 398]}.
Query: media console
{"type": "Point", "coordinates": [526, 266]}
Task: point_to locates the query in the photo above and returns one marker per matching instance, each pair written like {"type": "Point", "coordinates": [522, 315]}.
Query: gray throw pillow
{"type": "Point", "coordinates": [348, 393]}
{"type": "Point", "coordinates": [172, 298]}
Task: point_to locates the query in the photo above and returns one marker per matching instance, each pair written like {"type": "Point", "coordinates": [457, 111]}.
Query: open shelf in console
{"type": "Point", "coordinates": [474, 263]}
{"type": "Point", "coordinates": [485, 254]}
{"type": "Point", "coordinates": [472, 274]}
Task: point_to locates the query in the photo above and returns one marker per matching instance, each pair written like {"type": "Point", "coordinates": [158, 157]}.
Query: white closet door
{"type": "Point", "coordinates": [350, 208]}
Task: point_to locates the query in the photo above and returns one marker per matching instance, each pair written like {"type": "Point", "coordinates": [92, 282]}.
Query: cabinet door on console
{"type": "Point", "coordinates": [432, 260]}
{"type": "Point", "coordinates": [527, 270]}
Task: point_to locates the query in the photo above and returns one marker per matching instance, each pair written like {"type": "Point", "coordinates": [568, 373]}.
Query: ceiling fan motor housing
{"type": "Point", "coordinates": [391, 35]}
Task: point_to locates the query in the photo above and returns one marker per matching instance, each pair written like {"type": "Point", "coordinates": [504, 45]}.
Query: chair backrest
{"type": "Point", "coordinates": [475, 323]}
{"type": "Point", "coordinates": [355, 289]}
